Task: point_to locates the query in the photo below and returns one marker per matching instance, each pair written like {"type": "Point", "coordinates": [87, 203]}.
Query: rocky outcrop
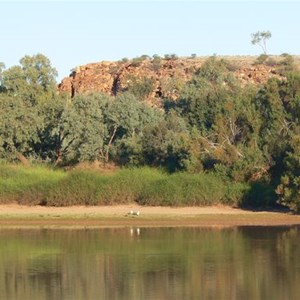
{"type": "Point", "coordinates": [165, 76]}
{"type": "Point", "coordinates": [257, 74]}
{"type": "Point", "coordinates": [96, 77]}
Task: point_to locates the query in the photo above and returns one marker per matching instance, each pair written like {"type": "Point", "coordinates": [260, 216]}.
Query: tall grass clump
{"type": "Point", "coordinates": [127, 185]}
{"type": "Point", "coordinates": [27, 185]}
{"type": "Point", "coordinates": [77, 188]}
{"type": "Point", "coordinates": [146, 186]}
{"type": "Point", "coordinates": [184, 189]}
{"type": "Point", "coordinates": [235, 193]}
{"type": "Point", "coordinates": [90, 187]}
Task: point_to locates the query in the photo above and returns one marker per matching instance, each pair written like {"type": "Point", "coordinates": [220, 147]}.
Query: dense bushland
{"type": "Point", "coordinates": [220, 142]}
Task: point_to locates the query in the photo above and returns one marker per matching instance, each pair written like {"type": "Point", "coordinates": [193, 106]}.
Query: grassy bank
{"type": "Point", "coordinates": [145, 186]}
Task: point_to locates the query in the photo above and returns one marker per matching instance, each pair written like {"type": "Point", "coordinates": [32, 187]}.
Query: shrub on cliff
{"type": "Point", "coordinates": [141, 88]}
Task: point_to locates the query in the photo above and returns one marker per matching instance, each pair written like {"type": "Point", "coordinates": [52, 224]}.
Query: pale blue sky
{"type": "Point", "coordinates": [72, 33]}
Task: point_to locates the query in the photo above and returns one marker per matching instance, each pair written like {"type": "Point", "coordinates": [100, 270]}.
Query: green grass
{"type": "Point", "coordinates": [27, 185]}
{"type": "Point", "coordinates": [184, 189]}
{"type": "Point", "coordinates": [90, 187]}
{"type": "Point", "coordinates": [41, 185]}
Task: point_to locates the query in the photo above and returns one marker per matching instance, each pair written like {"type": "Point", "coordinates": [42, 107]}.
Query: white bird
{"type": "Point", "coordinates": [133, 213]}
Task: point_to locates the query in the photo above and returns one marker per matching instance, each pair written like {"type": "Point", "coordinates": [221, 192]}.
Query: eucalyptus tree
{"type": "Point", "coordinates": [168, 143]}
{"type": "Point", "coordinates": [97, 127]}
{"type": "Point", "coordinates": [80, 132]}
{"type": "Point", "coordinates": [260, 38]}
{"type": "Point", "coordinates": [23, 89]}
{"type": "Point", "coordinates": [126, 119]}
{"type": "Point", "coordinates": [19, 126]}
{"type": "Point", "coordinates": [33, 80]}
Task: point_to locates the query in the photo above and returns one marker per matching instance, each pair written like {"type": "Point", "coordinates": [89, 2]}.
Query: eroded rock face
{"type": "Point", "coordinates": [96, 77]}
{"type": "Point", "coordinates": [257, 74]}
{"type": "Point", "coordinates": [167, 76]}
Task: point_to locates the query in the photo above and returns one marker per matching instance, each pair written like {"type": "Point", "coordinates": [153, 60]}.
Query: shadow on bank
{"type": "Point", "coordinates": [262, 197]}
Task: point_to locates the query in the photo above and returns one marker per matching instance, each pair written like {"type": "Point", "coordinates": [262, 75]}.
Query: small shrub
{"type": "Point", "coordinates": [174, 56]}
{"type": "Point", "coordinates": [287, 64]}
{"type": "Point", "coordinates": [141, 87]}
{"type": "Point", "coordinates": [170, 56]}
{"type": "Point", "coordinates": [156, 56]}
{"type": "Point", "coordinates": [261, 59]}
{"type": "Point", "coordinates": [271, 62]}
{"type": "Point", "coordinates": [137, 61]}
{"type": "Point", "coordinates": [144, 56]}
{"type": "Point", "coordinates": [156, 63]}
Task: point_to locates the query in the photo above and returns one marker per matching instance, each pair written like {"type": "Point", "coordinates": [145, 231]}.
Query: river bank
{"type": "Point", "coordinates": [13, 215]}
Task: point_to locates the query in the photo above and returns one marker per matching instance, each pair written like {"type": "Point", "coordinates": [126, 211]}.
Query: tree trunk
{"type": "Point", "coordinates": [109, 144]}
{"type": "Point", "coordinates": [58, 158]}
{"type": "Point", "coordinates": [22, 159]}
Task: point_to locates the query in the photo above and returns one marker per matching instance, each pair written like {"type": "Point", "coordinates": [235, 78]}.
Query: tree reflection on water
{"type": "Point", "coordinates": [150, 263]}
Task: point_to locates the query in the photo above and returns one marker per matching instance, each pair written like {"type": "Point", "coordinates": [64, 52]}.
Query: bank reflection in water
{"type": "Point", "coordinates": [150, 263]}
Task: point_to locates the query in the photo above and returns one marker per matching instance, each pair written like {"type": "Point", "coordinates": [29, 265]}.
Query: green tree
{"type": "Point", "coordinates": [167, 143]}
{"type": "Point", "coordinates": [99, 127]}
{"type": "Point", "coordinates": [202, 98]}
{"type": "Point", "coordinates": [289, 162]}
{"type": "Point", "coordinates": [26, 90]}
{"type": "Point", "coordinates": [272, 106]}
{"type": "Point", "coordinates": [289, 187]}
{"type": "Point", "coordinates": [51, 111]}
{"type": "Point", "coordinates": [260, 38]}
{"type": "Point", "coordinates": [228, 122]}
{"type": "Point", "coordinates": [81, 132]}
{"type": "Point", "coordinates": [19, 126]}
{"type": "Point", "coordinates": [34, 79]}
{"type": "Point", "coordinates": [126, 118]}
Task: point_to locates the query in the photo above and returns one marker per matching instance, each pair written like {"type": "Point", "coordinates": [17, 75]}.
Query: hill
{"type": "Point", "coordinates": [159, 77]}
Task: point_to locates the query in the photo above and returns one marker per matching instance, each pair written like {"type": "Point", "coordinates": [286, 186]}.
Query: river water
{"type": "Point", "coordinates": [150, 263]}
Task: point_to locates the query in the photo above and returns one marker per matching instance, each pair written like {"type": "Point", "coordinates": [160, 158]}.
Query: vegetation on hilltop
{"type": "Point", "coordinates": [217, 131]}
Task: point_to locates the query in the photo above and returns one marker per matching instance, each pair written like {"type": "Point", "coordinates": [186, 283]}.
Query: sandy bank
{"type": "Point", "coordinates": [105, 216]}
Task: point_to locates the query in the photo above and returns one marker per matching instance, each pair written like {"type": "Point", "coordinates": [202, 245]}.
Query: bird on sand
{"type": "Point", "coordinates": [133, 213]}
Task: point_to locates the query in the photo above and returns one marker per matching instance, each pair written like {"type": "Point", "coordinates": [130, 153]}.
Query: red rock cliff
{"type": "Point", "coordinates": [166, 75]}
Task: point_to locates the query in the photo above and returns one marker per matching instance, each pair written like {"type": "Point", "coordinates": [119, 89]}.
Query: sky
{"type": "Point", "coordinates": [73, 33]}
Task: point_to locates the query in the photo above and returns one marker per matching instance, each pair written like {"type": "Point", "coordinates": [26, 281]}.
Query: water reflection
{"type": "Point", "coordinates": [150, 263]}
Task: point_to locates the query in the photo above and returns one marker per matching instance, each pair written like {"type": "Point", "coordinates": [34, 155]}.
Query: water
{"type": "Point", "coordinates": [150, 263]}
